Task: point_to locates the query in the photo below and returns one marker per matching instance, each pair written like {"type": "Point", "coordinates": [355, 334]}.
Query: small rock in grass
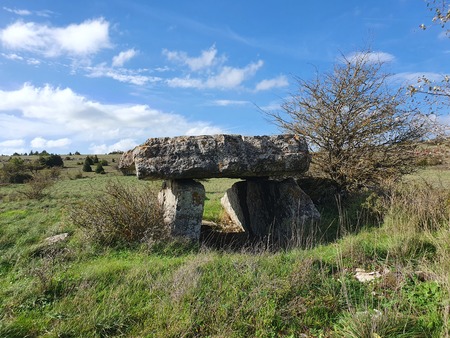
{"type": "Point", "coordinates": [363, 276]}
{"type": "Point", "coordinates": [56, 238]}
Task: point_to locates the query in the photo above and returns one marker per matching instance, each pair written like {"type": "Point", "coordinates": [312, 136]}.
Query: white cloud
{"type": "Point", "coordinates": [53, 116]}
{"type": "Point", "coordinates": [208, 71]}
{"type": "Point", "coordinates": [82, 39]}
{"type": "Point", "coordinates": [408, 78]}
{"type": "Point", "coordinates": [206, 59]}
{"type": "Point", "coordinates": [186, 82]}
{"type": "Point", "coordinates": [122, 145]}
{"type": "Point", "coordinates": [12, 146]}
{"type": "Point", "coordinates": [25, 12]}
{"type": "Point", "coordinates": [225, 103]}
{"type": "Point", "coordinates": [203, 129]}
{"type": "Point", "coordinates": [277, 82]}
{"type": "Point", "coordinates": [32, 61]}
{"type": "Point", "coordinates": [42, 143]}
{"type": "Point", "coordinates": [22, 12]}
{"type": "Point", "coordinates": [231, 77]}
{"type": "Point", "coordinates": [12, 143]}
{"type": "Point", "coordinates": [119, 60]}
{"type": "Point", "coordinates": [272, 106]}
{"type": "Point", "coordinates": [227, 78]}
{"type": "Point", "coordinates": [371, 57]}
{"type": "Point", "coordinates": [12, 56]}
{"type": "Point", "coordinates": [121, 74]}
{"type": "Point", "coordinates": [16, 57]}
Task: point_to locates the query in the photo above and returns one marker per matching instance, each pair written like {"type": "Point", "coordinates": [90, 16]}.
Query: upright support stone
{"type": "Point", "coordinates": [279, 209]}
{"type": "Point", "coordinates": [182, 202]}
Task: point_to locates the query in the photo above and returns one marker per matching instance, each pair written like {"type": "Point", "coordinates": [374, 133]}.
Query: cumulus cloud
{"type": "Point", "coordinates": [371, 57]}
{"type": "Point", "coordinates": [120, 59]}
{"type": "Point", "coordinates": [208, 71]}
{"type": "Point", "coordinates": [121, 145]}
{"type": "Point", "coordinates": [42, 143]}
{"type": "Point", "coordinates": [82, 39]}
{"type": "Point", "coordinates": [206, 59]}
{"type": "Point", "coordinates": [12, 146]}
{"type": "Point", "coordinates": [54, 117]}
{"type": "Point", "coordinates": [227, 78]}
{"type": "Point", "coordinates": [277, 82]}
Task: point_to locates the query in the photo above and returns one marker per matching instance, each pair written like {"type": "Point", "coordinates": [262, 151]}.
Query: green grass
{"type": "Point", "coordinates": [78, 288]}
{"type": "Point", "coordinates": [214, 189]}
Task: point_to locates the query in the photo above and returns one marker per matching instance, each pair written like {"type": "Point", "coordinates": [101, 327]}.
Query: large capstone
{"type": "Point", "coordinates": [182, 203]}
{"type": "Point", "coordinates": [268, 208]}
{"type": "Point", "coordinates": [213, 156]}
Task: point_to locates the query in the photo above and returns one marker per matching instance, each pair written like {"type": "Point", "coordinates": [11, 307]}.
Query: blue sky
{"type": "Point", "coordinates": [98, 76]}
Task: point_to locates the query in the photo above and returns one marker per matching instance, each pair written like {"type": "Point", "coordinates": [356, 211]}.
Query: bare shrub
{"type": "Point", "coordinates": [360, 130]}
{"type": "Point", "coordinates": [121, 215]}
{"type": "Point", "coordinates": [36, 187]}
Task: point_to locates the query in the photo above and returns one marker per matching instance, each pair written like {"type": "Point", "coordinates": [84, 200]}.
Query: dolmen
{"type": "Point", "coordinates": [267, 203]}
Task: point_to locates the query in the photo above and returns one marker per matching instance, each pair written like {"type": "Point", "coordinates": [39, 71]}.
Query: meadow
{"type": "Point", "coordinates": [79, 288]}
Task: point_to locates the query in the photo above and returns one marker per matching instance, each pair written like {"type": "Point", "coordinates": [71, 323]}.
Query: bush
{"type": "Point", "coordinates": [51, 160]}
{"type": "Point", "coordinates": [36, 186]}
{"type": "Point", "coordinates": [122, 215]}
{"type": "Point", "coordinates": [87, 166]}
{"type": "Point", "coordinates": [99, 169]}
{"type": "Point", "coordinates": [361, 131]}
{"type": "Point", "coordinates": [89, 160]}
{"type": "Point", "coordinates": [15, 171]}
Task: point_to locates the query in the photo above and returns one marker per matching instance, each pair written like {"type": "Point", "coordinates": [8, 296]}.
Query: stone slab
{"type": "Point", "coordinates": [214, 156]}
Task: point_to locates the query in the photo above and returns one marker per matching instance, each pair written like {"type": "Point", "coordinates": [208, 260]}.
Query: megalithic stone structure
{"type": "Point", "coordinates": [213, 156]}
{"type": "Point", "coordinates": [265, 203]}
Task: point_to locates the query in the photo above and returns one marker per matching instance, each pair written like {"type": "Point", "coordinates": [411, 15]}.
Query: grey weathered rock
{"type": "Point", "coordinates": [213, 156]}
{"type": "Point", "coordinates": [182, 202]}
{"type": "Point", "coordinates": [279, 209]}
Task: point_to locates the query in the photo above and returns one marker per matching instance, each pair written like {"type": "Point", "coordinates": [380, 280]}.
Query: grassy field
{"type": "Point", "coordinates": [78, 288]}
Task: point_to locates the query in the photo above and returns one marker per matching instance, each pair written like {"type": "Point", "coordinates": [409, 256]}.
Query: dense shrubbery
{"type": "Point", "coordinates": [52, 160]}
{"type": "Point", "coordinates": [99, 169]}
{"type": "Point", "coordinates": [87, 165]}
{"type": "Point", "coordinates": [16, 170]}
{"type": "Point", "coordinates": [121, 216]}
